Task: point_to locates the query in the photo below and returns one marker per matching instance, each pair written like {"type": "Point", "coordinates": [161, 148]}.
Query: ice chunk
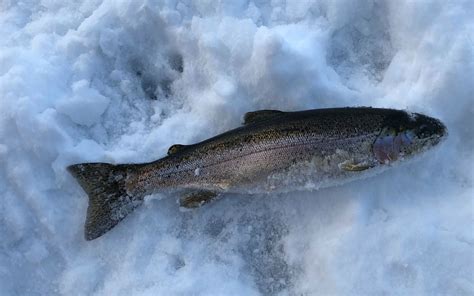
{"type": "Point", "coordinates": [85, 106]}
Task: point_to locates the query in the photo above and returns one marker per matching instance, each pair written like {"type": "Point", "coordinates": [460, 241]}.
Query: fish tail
{"type": "Point", "coordinates": [109, 200]}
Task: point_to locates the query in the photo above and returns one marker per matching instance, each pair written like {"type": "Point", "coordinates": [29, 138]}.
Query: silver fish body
{"type": "Point", "coordinates": [273, 151]}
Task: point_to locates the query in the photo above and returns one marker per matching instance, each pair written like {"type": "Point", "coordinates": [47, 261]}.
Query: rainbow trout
{"type": "Point", "coordinates": [273, 151]}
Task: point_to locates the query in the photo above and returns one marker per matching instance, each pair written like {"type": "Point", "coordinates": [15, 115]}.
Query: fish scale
{"type": "Point", "coordinates": [317, 132]}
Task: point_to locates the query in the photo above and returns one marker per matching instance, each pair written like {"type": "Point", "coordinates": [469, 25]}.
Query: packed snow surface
{"type": "Point", "coordinates": [121, 80]}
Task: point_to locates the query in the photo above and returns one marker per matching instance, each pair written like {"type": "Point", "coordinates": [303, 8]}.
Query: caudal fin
{"type": "Point", "coordinates": [109, 201]}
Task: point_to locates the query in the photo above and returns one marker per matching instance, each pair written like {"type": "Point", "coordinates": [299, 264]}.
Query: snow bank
{"type": "Point", "coordinates": [120, 81]}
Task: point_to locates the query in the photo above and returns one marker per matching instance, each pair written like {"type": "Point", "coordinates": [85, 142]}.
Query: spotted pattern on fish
{"type": "Point", "coordinates": [273, 151]}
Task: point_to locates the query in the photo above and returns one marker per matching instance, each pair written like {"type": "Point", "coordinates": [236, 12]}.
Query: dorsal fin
{"type": "Point", "coordinates": [175, 148]}
{"type": "Point", "coordinates": [260, 115]}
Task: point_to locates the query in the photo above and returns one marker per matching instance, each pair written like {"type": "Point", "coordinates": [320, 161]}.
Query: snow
{"type": "Point", "coordinates": [121, 81]}
{"type": "Point", "coordinates": [86, 105]}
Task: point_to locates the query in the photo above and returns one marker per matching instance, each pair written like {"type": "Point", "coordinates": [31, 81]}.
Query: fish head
{"type": "Point", "coordinates": [406, 136]}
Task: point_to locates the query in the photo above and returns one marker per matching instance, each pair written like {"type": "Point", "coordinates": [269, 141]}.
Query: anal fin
{"type": "Point", "coordinates": [196, 199]}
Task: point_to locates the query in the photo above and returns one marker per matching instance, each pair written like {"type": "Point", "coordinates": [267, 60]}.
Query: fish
{"type": "Point", "coordinates": [272, 152]}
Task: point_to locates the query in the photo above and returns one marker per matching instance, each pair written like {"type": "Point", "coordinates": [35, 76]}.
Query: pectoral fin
{"type": "Point", "coordinates": [256, 116]}
{"type": "Point", "coordinates": [352, 166]}
{"type": "Point", "coordinates": [196, 199]}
